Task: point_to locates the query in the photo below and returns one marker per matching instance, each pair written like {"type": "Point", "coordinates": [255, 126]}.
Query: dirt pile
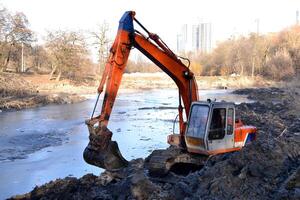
{"type": "Point", "coordinates": [17, 93]}
{"type": "Point", "coordinates": [268, 168]}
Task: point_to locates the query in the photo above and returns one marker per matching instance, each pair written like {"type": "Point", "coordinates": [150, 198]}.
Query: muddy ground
{"type": "Point", "coordinates": [268, 168]}
{"type": "Point", "coordinates": [17, 93]}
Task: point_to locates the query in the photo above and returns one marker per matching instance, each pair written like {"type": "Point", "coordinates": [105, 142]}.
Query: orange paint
{"type": "Point", "coordinates": [241, 133]}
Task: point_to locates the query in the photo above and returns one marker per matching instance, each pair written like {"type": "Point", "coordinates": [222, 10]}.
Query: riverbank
{"type": "Point", "coordinates": [266, 169]}
{"type": "Point", "coordinates": [19, 92]}
{"type": "Point", "coordinates": [161, 80]}
{"type": "Point", "coordinates": [29, 90]}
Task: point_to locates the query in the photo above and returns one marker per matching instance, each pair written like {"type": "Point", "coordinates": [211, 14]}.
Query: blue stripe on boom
{"type": "Point", "coordinates": [126, 22]}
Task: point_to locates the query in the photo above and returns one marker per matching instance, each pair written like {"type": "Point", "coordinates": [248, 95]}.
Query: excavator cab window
{"type": "Point", "coordinates": [198, 121]}
{"type": "Point", "coordinates": [230, 116]}
{"type": "Point", "coordinates": [218, 123]}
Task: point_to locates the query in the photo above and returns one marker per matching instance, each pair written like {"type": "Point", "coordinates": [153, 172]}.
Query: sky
{"type": "Point", "coordinates": [164, 17]}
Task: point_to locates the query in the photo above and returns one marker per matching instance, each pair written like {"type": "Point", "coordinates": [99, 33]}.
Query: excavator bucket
{"type": "Point", "coordinates": [101, 151]}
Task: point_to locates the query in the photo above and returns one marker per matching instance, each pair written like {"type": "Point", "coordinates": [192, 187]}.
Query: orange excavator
{"type": "Point", "coordinates": [211, 127]}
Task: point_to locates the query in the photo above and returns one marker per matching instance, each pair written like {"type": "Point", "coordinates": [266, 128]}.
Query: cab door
{"type": "Point", "coordinates": [221, 128]}
{"type": "Point", "coordinates": [197, 126]}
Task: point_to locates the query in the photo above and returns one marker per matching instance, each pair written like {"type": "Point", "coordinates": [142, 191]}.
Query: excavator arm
{"type": "Point", "coordinates": [159, 53]}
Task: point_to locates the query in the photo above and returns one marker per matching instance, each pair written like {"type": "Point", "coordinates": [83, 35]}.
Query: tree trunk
{"type": "Point", "coordinates": [52, 72]}
{"type": "Point", "coordinates": [252, 71]}
{"type": "Point", "coordinates": [59, 75]}
{"type": "Point", "coordinates": [242, 69]}
{"type": "Point", "coordinates": [2, 69]}
{"type": "Point", "coordinates": [6, 62]}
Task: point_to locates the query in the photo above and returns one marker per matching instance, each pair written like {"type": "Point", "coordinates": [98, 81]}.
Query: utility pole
{"type": "Point", "coordinates": [254, 48]}
{"type": "Point", "coordinates": [22, 58]}
{"type": "Point", "coordinates": [297, 17]}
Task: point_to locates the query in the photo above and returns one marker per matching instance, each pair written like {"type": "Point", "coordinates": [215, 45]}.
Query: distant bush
{"type": "Point", "coordinates": [279, 66]}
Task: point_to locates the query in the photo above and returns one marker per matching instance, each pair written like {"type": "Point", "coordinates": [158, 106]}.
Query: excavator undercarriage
{"type": "Point", "coordinates": [173, 159]}
{"type": "Point", "coordinates": [104, 153]}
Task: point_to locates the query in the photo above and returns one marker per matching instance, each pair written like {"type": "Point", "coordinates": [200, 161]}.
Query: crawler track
{"type": "Point", "coordinates": [161, 162]}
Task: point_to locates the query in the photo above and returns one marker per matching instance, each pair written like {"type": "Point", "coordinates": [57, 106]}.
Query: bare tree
{"type": "Point", "coordinates": [102, 43]}
{"type": "Point", "coordinates": [67, 50]}
{"type": "Point", "coordinates": [14, 31]}
{"type": "Point", "coordinates": [38, 59]}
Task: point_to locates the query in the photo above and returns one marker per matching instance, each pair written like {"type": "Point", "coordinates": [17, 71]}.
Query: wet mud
{"type": "Point", "coordinates": [268, 168]}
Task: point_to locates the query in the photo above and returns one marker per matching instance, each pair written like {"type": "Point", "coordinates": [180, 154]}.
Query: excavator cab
{"type": "Point", "coordinates": [210, 127]}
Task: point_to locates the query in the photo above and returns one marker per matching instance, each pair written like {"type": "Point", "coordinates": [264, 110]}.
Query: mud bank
{"type": "Point", "coordinates": [16, 93]}
{"type": "Point", "coordinates": [19, 91]}
{"type": "Point", "coordinates": [269, 168]}
{"type": "Point", "coordinates": [162, 80]}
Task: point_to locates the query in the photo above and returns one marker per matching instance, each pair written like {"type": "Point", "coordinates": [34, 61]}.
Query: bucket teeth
{"type": "Point", "coordinates": [101, 151]}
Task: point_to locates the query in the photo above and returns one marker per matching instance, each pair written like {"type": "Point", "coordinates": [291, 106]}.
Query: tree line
{"type": "Point", "coordinates": [67, 53]}
{"type": "Point", "coordinates": [63, 53]}
{"type": "Point", "coordinates": [275, 56]}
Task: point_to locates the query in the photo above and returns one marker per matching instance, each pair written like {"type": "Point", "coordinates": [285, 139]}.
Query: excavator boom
{"type": "Point", "coordinates": [158, 52]}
